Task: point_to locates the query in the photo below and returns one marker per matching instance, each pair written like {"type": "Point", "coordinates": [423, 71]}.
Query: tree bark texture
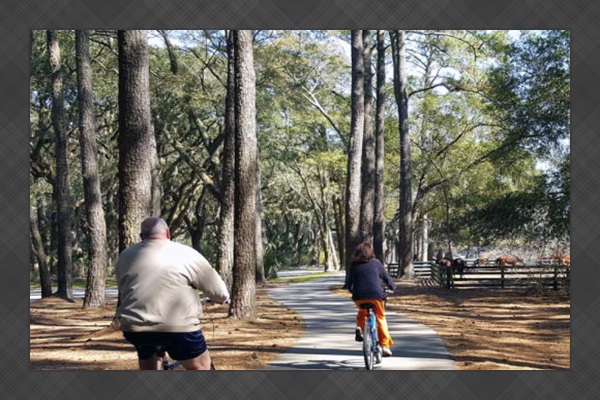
{"type": "Point", "coordinates": [226, 219]}
{"type": "Point", "coordinates": [368, 177]}
{"type": "Point", "coordinates": [244, 268]}
{"type": "Point", "coordinates": [39, 253]}
{"type": "Point", "coordinates": [137, 146]}
{"type": "Point", "coordinates": [379, 217]}
{"type": "Point", "coordinates": [63, 187]}
{"type": "Point", "coordinates": [94, 291]}
{"type": "Point", "coordinates": [400, 91]}
{"type": "Point", "coordinates": [260, 264]}
{"type": "Point", "coordinates": [355, 142]}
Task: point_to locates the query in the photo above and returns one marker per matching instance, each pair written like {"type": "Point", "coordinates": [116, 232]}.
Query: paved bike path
{"type": "Point", "coordinates": [328, 338]}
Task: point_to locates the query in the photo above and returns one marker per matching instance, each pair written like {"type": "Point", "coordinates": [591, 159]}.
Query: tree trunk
{"type": "Point", "coordinates": [335, 263]}
{"type": "Point", "coordinates": [425, 249]}
{"type": "Point", "coordinates": [355, 142]}
{"type": "Point", "coordinates": [400, 90]}
{"type": "Point", "coordinates": [260, 265]}
{"type": "Point", "coordinates": [244, 268]}
{"type": "Point", "coordinates": [171, 52]}
{"type": "Point", "coordinates": [368, 177]}
{"type": "Point", "coordinates": [340, 230]}
{"type": "Point", "coordinates": [63, 187]}
{"type": "Point", "coordinates": [94, 291]}
{"type": "Point", "coordinates": [137, 146]}
{"type": "Point", "coordinates": [226, 219]}
{"type": "Point", "coordinates": [379, 218]}
{"type": "Point", "coordinates": [40, 254]}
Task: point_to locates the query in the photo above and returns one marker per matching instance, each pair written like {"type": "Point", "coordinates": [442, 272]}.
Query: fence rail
{"type": "Point", "coordinates": [422, 269]}
{"type": "Point", "coordinates": [542, 275]}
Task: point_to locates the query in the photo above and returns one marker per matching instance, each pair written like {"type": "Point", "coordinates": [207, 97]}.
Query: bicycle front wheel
{"type": "Point", "coordinates": [368, 347]}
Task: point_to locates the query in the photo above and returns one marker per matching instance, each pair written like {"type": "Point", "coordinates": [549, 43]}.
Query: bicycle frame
{"type": "Point", "coordinates": [371, 349]}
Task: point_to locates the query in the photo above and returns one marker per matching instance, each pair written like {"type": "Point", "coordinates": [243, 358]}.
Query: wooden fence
{"type": "Point", "coordinates": [422, 269]}
{"type": "Point", "coordinates": [545, 276]}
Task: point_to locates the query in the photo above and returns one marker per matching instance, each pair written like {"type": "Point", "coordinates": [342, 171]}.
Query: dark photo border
{"type": "Point", "coordinates": [18, 17]}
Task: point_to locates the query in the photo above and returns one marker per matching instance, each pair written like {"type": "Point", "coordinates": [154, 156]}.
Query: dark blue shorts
{"type": "Point", "coordinates": [180, 346]}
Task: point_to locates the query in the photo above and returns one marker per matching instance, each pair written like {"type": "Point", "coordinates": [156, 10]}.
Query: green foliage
{"type": "Point", "coordinates": [485, 109]}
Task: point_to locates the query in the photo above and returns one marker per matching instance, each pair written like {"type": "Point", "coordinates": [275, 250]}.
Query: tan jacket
{"type": "Point", "coordinates": [158, 281]}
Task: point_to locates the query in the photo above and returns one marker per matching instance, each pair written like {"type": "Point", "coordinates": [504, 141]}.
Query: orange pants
{"type": "Point", "coordinates": [385, 340]}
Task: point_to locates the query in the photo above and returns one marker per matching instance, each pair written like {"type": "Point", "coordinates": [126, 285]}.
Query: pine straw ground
{"type": "Point", "coordinates": [483, 329]}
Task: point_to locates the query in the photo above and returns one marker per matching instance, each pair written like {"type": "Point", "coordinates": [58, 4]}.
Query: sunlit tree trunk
{"type": "Point", "coordinates": [260, 265]}
{"type": "Point", "coordinates": [137, 146]}
{"type": "Point", "coordinates": [400, 91]}
{"type": "Point", "coordinates": [40, 253]}
{"type": "Point", "coordinates": [63, 187]}
{"type": "Point", "coordinates": [355, 142]}
{"type": "Point", "coordinates": [368, 176]}
{"type": "Point", "coordinates": [244, 268]}
{"type": "Point", "coordinates": [226, 219]}
{"type": "Point", "coordinates": [379, 217]}
{"type": "Point", "coordinates": [94, 291]}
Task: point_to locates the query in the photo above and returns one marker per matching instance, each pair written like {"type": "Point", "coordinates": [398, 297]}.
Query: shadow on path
{"type": "Point", "coordinates": [328, 339]}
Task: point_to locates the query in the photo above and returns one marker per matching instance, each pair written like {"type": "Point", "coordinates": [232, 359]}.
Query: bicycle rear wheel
{"type": "Point", "coordinates": [368, 347]}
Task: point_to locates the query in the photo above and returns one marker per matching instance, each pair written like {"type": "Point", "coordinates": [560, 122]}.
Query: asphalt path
{"type": "Point", "coordinates": [328, 339]}
{"type": "Point", "coordinates": [110, 292]}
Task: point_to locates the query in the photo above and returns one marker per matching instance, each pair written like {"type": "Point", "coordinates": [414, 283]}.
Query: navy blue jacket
{"type": "Point", "coordinates": [364, 280]}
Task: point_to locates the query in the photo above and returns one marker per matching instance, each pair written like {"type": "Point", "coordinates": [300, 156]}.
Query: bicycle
{"type": "Point", "coordinates": [161, 350]}
{"type": "Point", "coordinates": [372, 351]}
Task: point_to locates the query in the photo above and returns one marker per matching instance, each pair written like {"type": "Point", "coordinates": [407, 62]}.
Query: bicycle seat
{"type": "Point", "coordinates": [367, 306]}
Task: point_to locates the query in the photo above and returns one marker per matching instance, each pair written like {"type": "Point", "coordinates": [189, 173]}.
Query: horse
{"type": "Point", "coordinates": [445, 262]}
{"type": "Point", "coordinates": [481, 261]}
{"type": "Point", "coordinates": [509, 260]}
{"type": "Point", "coordinates": [562, 259]}
{"type": "Point", "coordinates": [459, 265]}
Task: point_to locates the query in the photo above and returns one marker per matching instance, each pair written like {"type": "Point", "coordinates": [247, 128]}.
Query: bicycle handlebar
{"type": "Point", "coordinates": [206, 300]}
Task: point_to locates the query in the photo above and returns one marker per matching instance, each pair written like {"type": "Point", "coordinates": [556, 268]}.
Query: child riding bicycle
{"type": "Point", "coordinates": [364, 280]}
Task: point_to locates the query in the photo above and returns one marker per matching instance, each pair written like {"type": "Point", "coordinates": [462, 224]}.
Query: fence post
{"type": "Point", "coordinates": [449, 278]}
{"type": "Point", "coordinates": [555, 278]}
{"type": "Point", "coordinates": [502, 277]}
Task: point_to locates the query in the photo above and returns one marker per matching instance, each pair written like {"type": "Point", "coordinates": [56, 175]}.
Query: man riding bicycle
{"type": "Point", "coordinates": [364, 281]}
{"type": "Point", "coordinates": [158, 281]}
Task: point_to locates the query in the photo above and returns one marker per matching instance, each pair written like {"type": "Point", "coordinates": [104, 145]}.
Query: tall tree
{"type": "Point", "coordinates": [368, 176]}
{"type": "Point", "coordinates": [226, 218]}
{"type": "Point", "coordinates": [379, 217]}
{"type": "Point", "coordinates": [405, 250]}
{"type": "Point", "coordinates": [137, 146]}
{"type": "Point", "coordinates": [62, 187]}
{"type": "Point", "coordinates": [39, 253]}
{"type": "Point", "coordinates": [260, 264]}
{"type": "Point", "coordinates": [244, 268]}
{"type": "Point", "coordinates": [355, 144]}
{"type": "Point", "coordinates": [94, 291]}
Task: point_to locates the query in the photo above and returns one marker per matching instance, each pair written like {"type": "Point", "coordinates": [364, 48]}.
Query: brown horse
{"type": "Point", "coordinates": [481, 261]}
{"type": "Point", "coordinates": [562, 259]}
{"type": "Point", "coordinates": [445, 262]}
{"type": "Point", "coordinates": [508, 260]}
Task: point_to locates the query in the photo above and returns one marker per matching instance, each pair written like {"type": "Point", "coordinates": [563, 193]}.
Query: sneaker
{"type": "Point", "coordinates": [358, 334]}
{"type": "Point", "coordinates": [386, 352]}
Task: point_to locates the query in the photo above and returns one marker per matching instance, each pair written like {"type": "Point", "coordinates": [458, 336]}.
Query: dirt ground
{"type": "Point", "coordinates": [492, 329]}
{"type": "Point", "coordinates": [483, 330]}
{"type": "Point", "coordinates": [64, 336]}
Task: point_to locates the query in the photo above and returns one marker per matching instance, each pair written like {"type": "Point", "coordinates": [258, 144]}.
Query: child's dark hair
{"type": "Point", "coordinates": [363, 253]}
